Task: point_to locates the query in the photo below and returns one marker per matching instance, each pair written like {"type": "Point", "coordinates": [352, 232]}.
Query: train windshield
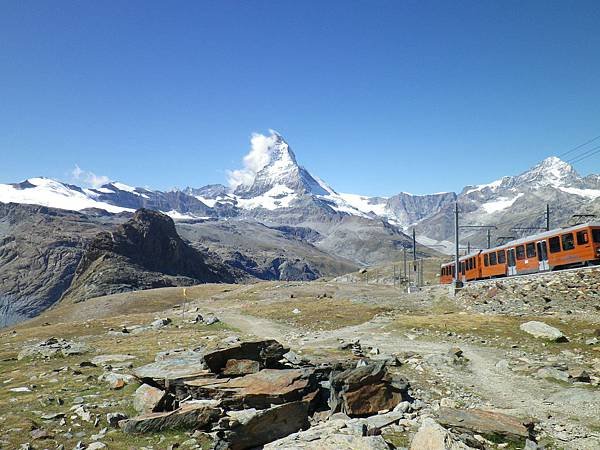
{"type": "Point", "coordinates": [596, 235]}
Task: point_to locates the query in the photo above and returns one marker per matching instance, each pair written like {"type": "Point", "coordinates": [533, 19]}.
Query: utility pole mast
{"type": "Point", "coordinates": [547, 216]}
{"type": "Point", "coordinates": [414, 246]}
{"type": "Point", "coordinates": [457, 282]}
{"type": "Point", "coordinates": [489, 236]}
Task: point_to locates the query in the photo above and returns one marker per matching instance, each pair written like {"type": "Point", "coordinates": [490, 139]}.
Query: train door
{"type": "Point", "coordinates": [542, 251]}
{"type": "Point", "coordinates": [511, 262]}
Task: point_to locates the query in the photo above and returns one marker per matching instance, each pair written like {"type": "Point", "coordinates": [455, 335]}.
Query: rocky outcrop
{"type": "Point", "coordinates": [145, 252]}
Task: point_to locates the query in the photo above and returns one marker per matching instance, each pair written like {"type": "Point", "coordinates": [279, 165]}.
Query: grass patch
{"type": "Point", "coordinates": [315, 314]}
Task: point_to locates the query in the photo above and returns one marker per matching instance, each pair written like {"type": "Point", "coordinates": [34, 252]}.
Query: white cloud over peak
{"type": "Point", "coordinates": [257, 158]}
{"type": "Point", "coordinates": [88, 177]}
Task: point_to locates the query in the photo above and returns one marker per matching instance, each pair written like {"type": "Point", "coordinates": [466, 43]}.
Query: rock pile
{"type": "Point", "coordinates": [557, 291]}
{"type": "Point", "coordinates": [254, 393]}
{"type": "Point", "coordinates": [52, 347]}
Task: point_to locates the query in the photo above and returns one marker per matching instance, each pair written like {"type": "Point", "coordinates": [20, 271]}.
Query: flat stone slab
{"type": "Point", "coordinates": [484, 422]}
{"type": "Point", "coordinates": [169, 371]}
{"type": "Point", "coordinates": [188, 417]}
{"type": "Point", "coordinates": [257, 390]}
{"type": "Point", "coordinates": [106, 360]}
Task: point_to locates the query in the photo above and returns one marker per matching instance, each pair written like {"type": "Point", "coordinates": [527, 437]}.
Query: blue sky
{"type": "Point", "coordinates": [375, 97]}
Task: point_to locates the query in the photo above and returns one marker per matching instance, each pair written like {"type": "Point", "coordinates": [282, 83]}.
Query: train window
{"type": "Point", "coordinates": [486, 261]}
{"type": "Point", "coordinates": [493, 259]}
{"type": "Point", "coordinates": [554, 244]}
{"type": "Point", "coordinates": [568, 243]}
{"type": "Point", "coordinates": [501, 257]}
{"type": "Point", "coordinates": [531, 250]}
{"type": "Point", "coordinates": [596, 235]}
{"type": "Point", "coordinates": [582, 237]}
{"type": "Point", "coordinates": [462, 267]}
{"type": "Point", "coordinates": [470, 263]}
{"type": "Point", "coordinates": [520, 252]}
{"type": "Point", "coordinates": [453, 271]}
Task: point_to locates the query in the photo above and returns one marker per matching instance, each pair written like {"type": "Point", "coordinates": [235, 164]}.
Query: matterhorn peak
{"type": "Point", "coordinates": [271, 166]}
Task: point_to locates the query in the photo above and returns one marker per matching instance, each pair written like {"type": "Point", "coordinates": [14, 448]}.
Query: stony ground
{"type": "Point", "coordinates": [63, 400]}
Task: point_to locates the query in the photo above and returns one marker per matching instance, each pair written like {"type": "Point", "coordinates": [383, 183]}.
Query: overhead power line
{"type": "Point", "coordinates": [585, 155]}
{"type": "Point", "coordinates": [579, 146]}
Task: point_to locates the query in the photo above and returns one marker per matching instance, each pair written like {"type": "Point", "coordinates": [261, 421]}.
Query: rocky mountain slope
{"type": "Point", "coordinates": [48, 253]}
{"type": "Point", "coordinates": [145, 252]}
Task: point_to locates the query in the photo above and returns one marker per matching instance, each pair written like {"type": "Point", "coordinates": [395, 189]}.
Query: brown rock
{"type": "Point", "coordinates": [237, 367]}
{"type": "Point", "coordinates": [148, 399]}
{"type": "Point", "coordinates": [365, 390]}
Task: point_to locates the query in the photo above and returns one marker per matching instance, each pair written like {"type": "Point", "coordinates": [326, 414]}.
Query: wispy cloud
{"type": "Point", "coordinates": [89, 178]}
{"type": "Point", "coordinates": [257, 158]}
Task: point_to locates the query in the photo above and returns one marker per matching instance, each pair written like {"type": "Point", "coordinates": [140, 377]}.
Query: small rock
{"type": "Point", "coordinates": [114, 418]}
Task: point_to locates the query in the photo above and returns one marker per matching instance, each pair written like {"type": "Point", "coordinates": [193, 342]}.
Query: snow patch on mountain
{"type": "Point", "coordinates": [279, 196]}
{"type": "Point", "coordinates": [51, 193]}
{"type": "Point", "coordinates": [364, 204]}
{"type": "Point", "coordinates": [500, 204]}
{"type": "Point", "coordinates": [588, 193]}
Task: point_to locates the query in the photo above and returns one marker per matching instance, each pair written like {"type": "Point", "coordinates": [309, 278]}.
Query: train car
{"type": "Point", "coordinates": [470, 269]}
{"type": "Point", "coordinates": [493, 263]}
{"type": "Point", "coordinates": [552, 250]}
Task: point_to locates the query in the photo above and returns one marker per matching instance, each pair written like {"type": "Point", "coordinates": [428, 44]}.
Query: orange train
{"type": "Point", "coordinates": [551, 250]}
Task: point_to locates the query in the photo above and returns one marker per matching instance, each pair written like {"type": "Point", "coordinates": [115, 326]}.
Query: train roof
{"type": "Point", "coordinates": [545, 234]}
{"type": "Point", "coordinates": [533, 237]}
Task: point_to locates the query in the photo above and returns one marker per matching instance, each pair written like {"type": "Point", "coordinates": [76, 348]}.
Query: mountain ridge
{"type": "Point", "coordinates": [279, 191]}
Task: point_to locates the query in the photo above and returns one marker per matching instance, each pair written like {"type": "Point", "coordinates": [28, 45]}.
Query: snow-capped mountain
{"type": "Point", "coordinates": [277, 190]}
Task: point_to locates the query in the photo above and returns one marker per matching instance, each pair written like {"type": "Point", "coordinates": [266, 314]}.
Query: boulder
{"type": "Point", "coordinates": [238, 367]}
{"type": "Point", "coordinates": [172, 370]}
{"type": "Point", "coordinates": [148, 399]}
{"type": "Point", "coordinates": [253, 428]}
{"type": "Point", "coordinates": [486, 423]}
{"type": "Point", "coordinates": [365, 390]}
{"type": "Point", "coordinates": [432, 436]}
{"type": "Point", "coordinates": [187, 417]}
{"type": "Point", "coordinates": [543, 331]}
{"type": "Point", "coordinates": [267, 353]}
{"type": "Point", "coordinates": [259, 390]}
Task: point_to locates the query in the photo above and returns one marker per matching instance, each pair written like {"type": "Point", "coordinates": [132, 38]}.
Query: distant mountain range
{"type": "Point", "coordinates": [284, 193]}
{"type": "Point", "coordinates": [60, 241]}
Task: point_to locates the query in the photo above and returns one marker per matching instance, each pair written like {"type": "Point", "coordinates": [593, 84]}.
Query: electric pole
{"type": "Point", "coordinates": [547, 216]}
{"type": "Point", "coordinates": [457, 282]}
